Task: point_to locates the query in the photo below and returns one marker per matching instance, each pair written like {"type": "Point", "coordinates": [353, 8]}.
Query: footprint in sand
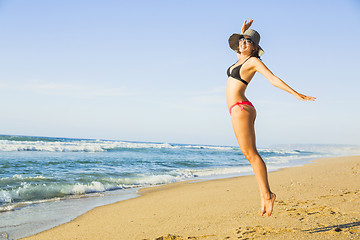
{"type": "Point", "coordinates": [257, 231]}
{"type": "Point", "coordinates": [176, 237]}
{"type": "Point", "coordinates": [170, 237]}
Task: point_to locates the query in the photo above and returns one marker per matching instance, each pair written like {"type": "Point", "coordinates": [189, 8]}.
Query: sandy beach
{"type": "Point", "coordinates": [317, 201]}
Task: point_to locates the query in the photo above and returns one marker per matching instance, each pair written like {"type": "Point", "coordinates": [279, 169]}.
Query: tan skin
{"type": "Point", "coordinates": [243, 120]}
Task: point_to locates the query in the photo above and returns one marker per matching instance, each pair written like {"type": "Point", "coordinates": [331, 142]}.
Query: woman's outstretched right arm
{"type": "Point", "coordinates": [277, 82]}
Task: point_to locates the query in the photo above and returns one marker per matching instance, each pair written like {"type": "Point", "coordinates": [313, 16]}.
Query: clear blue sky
{"type": "Point", "coordinates": [156, 70]}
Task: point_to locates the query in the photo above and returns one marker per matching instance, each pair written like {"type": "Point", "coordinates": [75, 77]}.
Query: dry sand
{"type": "Point", "coordinates": [316, 201]}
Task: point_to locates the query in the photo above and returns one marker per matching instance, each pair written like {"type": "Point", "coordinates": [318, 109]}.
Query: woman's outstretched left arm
{"type": "Point", "coordinates": [277, 82]}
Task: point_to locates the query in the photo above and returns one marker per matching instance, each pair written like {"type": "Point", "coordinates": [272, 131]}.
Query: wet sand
{"type": "Point", "coordinates": [317, 201]}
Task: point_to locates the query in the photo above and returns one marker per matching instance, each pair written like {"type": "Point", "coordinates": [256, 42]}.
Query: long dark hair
{"type": "Point", "coordinates": [255, 53]}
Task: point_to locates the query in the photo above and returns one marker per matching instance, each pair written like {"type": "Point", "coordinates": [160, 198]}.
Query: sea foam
{"type": "Point", "coordinates": [75, 146]}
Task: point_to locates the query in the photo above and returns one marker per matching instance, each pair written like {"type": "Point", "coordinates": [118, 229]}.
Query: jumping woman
{"type": "Point", "coordinates": [242, 111]}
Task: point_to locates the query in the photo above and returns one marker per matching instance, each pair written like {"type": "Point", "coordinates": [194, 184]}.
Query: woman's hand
{"type": "Point", "coordinates": [304, 97]}
{"type": "Point", "coordinates": [246, 26]}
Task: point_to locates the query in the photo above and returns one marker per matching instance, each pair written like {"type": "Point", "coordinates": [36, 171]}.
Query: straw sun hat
{"type": "Point", "coordinates": [252, 34]}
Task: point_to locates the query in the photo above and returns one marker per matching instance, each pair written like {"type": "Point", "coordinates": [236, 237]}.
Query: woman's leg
{"type": "Point", "coordinates": [243, 124]}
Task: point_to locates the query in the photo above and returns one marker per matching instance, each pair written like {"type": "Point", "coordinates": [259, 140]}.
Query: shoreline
{"type": "Point", "coordinates": [36, 218]}
{"type": "Point", "coordinates": [313, 201]}
{"type": "Point", "coordinates": [39, 217]}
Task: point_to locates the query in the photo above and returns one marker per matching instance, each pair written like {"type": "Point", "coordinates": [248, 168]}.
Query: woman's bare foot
{"type": "Point", "coordinates": [267, 204]}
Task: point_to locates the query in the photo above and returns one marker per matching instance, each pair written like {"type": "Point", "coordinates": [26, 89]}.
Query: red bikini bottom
{"type": "Point", "coordinates": [240, 103]}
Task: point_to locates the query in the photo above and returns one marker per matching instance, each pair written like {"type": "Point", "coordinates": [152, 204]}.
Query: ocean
{"type": "Point", "coordinates": [48, 181]}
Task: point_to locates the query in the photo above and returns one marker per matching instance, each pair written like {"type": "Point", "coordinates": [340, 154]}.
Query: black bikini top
{"type": "Point", "coordinates": [235, 73]}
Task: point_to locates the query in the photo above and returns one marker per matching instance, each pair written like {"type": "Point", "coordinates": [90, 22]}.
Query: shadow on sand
{"type": "Point", "coordinates": [336, 228]}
